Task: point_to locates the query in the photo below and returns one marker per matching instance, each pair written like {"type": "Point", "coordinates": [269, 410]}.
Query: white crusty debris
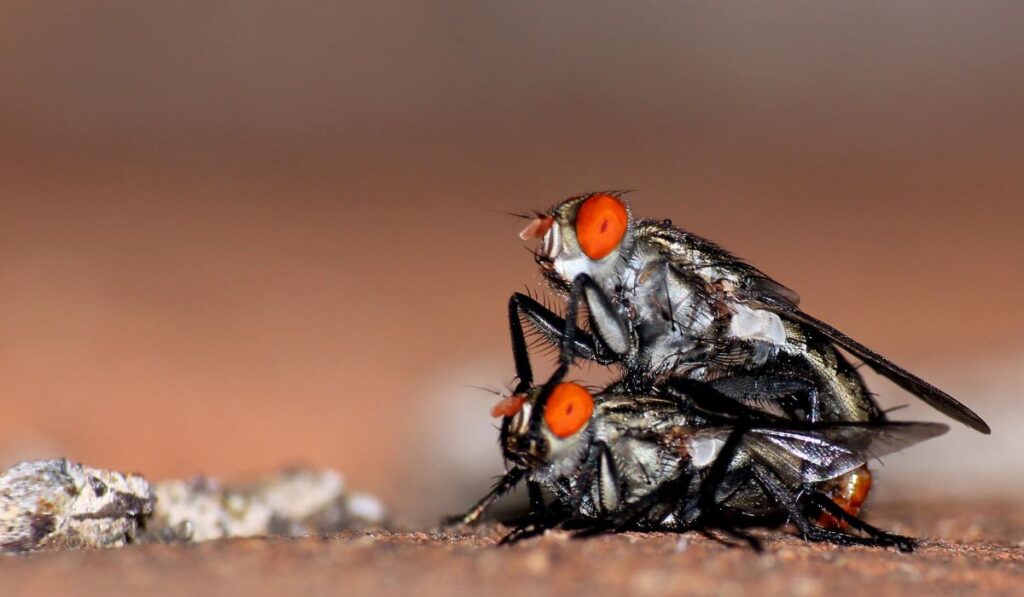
{"type": "Point", "coordinates": [59, 504]}
{"type": "Point", "coordinates": [294, 502]}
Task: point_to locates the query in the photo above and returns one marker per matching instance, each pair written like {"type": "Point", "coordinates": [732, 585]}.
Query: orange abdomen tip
{"type": "Point", "coordinates": [851, 494]}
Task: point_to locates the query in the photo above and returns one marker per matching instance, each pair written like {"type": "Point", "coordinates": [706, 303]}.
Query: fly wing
{"type": "Point", "coordinates": [759, 283]}
{"type": "Point", "coordinates": [825, 452]}
{"type": "Point", "coordinates": [690, 254]}
{"type": "Point", "coordinates": [694, 255]}
{"type": "Point", "coordinates": [931, 395]}
{"type": "Point", "coordinates": [811, 453]}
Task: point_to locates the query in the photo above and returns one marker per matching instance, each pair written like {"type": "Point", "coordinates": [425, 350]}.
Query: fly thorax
{"type": "Point", "coordinates": [669, 316]}
{"type": "Point", "coordinates": [643, 466]}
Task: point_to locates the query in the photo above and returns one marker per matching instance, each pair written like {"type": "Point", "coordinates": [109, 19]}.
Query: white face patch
{"type": "Point", "coordinates": [570, 267]}
{"type": "Point", "coordinates": [757, 324]}
{"type": "Point", "coordinates": [551, 246]}
{"type": "Point", "coordinates": [572, 261]}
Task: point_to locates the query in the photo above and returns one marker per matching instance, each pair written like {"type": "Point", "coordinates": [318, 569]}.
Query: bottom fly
{"type": "Point", "coordinates": [615, 461]}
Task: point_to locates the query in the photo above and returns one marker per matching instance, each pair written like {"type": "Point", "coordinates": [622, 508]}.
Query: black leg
{"type": "Point", "coordinates": [537, 414]}
{"type": "Point", "coordinates": [807, 529]}
{"type": "Point", "coordinates": [753, 542]}
{"type": "Point", "coordinates": [550, 326]}
{"type": "Point", "coordinates": [707, 497]}
{"type": "Point", "coordinates": [613, 331]}
{"type": "Point", "coordinates": [537, 505]}
{"type": "Point", "coordinates": [753, 392]}
{"type": "Point", "coordinates": [524, 371]}
{"type": "Point", "coordinates": [628, 517]}
{"type": "Point", "coordinates": [536, 524]}
{"type": "Point", "coordinates": [567, 354]}
{"type": "Point", "coordinates": [589, 473]}
{"type": "Point", "coordinates": [503, 486]}
{"type": "Point", "coordinates": [884, 538]}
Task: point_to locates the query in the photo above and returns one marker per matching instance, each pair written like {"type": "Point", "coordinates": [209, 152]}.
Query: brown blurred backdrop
{"type": "Point", "coordinates": [236, 235]}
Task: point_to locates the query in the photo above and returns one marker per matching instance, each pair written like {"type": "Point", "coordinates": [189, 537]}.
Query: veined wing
{"type": "Point", "coordinates": [933, 396]}
{"type": "Point", "coordinates": [826, 452]}
{"type": "Point", "coordinates": [813, 453]}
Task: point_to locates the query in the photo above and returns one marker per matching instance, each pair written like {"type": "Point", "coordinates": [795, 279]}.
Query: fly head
{"type": "Point", "coordinates": [588, 234]}
{"type": "Point", "coordinates": [558, 435]}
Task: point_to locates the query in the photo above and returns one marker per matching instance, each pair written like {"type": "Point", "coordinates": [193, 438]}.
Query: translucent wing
{"type": "Point", "coordinates": [930, 394]}
{"type": "Point", "coordinates": [695, 255]}
{"type": "Point", "coordinates": [827, 452]}
{"type": "Point", "coordinates": [815, 453]}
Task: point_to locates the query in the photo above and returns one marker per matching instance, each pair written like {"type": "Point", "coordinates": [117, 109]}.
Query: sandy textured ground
{"type": "Point", "coordinates": [974, 548]}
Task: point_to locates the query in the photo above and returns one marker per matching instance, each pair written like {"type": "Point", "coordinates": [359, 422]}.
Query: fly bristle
{"type": "Point", "coordinates": [485, 389]}
{"type": "Point", "coordinates": [513, 214]}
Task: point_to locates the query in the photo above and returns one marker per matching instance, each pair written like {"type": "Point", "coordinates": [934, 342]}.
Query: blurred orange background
{"type": "Point", "coordinates": [237, 235]}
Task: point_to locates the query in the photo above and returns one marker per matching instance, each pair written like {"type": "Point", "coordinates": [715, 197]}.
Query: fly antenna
{"type": "Point", "coordinates": [488, 390]}
{"type": "Point", "coordinates": [513, 214]}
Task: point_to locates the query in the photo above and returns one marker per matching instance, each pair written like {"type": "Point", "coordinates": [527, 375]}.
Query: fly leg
{"type": "Point", "coordinates": [503, 486]}
{"type": "Point", "coordinates": [627, 518]}
{"type": "Point", "coordinates": [790, 393]}
{"type": "Point", "coordinates": [565, 358]}
{"type": "Point", "coordinates": [609, 326]}
{"type": "Point", "coordinates": [537, 523]}
{"type": "Point", "coordinates": [601, 310]}
{"type": "Point", "coordinates": [537, 505]}
{"type": "Point", "coordinates": [536, 520]}
{"type": "Point", "coordinates": [707, 496]}
{"type": "Point", "coordinates": [541, 517]}
{"type": "Point", "coordinates": [753, 542]}
{"type": "Point", "coordinates": [520, 353]}
{"type": "Point", "coordinates": [807, 529]}
{"type": "Point", "coordinates": [882, 538]}
{"type": "Point", "coordinates": [551, 326]}
{"type": "Point", "coordinates": [707, 514]}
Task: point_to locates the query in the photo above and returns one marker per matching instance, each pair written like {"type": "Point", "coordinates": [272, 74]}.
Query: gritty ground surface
{"type": "Point", "coordinates": [973, 548]}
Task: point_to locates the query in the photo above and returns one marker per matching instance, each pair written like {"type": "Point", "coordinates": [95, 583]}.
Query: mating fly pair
{"type": "Point", "coordinates": [679, 316]}
{"type": "Point", "coordinates": [682, 458]}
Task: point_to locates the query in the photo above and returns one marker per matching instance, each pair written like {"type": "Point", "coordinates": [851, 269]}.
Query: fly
{"type": "Point", "coordinates": [663, 303]}
{"type": "Point", "coordinates": [684, 457]}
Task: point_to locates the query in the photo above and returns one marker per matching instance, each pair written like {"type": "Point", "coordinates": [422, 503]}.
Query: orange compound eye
{"type": "Point", "coordinates": [600, 225]}
{"type": "Point", "coordinates": [568, 409]}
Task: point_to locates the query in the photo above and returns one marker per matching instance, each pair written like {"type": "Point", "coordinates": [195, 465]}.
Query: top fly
{"type": "Point", "coordinates": [665, 302]}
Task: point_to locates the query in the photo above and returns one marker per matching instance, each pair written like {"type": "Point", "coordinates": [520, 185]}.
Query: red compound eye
{"type": "Point", "coordinates": [568, 409]}
{"type": "Point", "coordinates": [600, 225]}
